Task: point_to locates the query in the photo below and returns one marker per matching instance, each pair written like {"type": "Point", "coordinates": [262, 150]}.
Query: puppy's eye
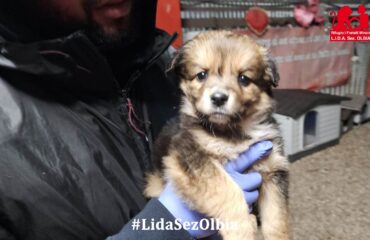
{"type": "Point", "coordinates": [244, 80]}
{"type": "Point", "coordinates": [202, 76]}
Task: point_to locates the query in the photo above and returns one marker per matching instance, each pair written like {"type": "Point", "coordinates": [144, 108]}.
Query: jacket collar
{"type": "Point", "coordinates": [72, 63]}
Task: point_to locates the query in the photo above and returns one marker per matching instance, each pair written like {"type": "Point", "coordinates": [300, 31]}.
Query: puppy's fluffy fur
{"type": "Point", "coordinates": [226, 79]}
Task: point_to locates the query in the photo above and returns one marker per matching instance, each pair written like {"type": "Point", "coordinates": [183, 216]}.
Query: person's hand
{"type": "Point", "coordinates": [248, 183]}
{"type": "Point", "coordinates": [251, 181]}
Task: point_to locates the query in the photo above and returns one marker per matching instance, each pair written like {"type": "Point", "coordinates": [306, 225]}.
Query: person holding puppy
{"type": "Point", "coordinates": [83, 96]}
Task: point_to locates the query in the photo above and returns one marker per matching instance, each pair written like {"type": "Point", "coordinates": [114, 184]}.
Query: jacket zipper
{"type": "Point", "coordinates": [125, 94]}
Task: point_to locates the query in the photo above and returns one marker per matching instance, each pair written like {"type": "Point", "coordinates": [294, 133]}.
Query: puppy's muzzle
{"type": "Point", "coordinates": [219, 99]}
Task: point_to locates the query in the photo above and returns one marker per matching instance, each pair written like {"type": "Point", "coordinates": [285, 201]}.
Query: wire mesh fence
{"type": "Point", "coordinates": [203, 15]}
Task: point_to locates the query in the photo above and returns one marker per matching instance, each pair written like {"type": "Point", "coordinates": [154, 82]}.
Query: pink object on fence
{"type": "Point", "coordinates": [306, 14]}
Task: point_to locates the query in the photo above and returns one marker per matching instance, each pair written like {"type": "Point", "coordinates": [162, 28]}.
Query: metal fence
{"type": "Point", "coordinates": [357, 83]}
{"type": "Point", "coordinates": [203, 15]}
{"type": "Point", "coordinates": [199, 15]}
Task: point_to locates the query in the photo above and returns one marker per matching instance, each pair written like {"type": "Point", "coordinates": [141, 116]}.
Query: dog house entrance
{"type": "Point", "coordinates": [310, 125]}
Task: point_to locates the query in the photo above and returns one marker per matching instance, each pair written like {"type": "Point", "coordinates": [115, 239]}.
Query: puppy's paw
{"type": "Point", "coordinates": [154, 186]}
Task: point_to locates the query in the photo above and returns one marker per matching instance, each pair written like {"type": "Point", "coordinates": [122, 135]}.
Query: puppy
{"type": "Point", "coordinates": [227, 105]}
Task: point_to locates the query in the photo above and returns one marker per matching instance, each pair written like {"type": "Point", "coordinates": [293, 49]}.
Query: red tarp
{"type": "Point", "coordinates": [169, 19]}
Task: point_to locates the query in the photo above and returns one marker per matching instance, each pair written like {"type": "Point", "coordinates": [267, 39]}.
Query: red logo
{"type": "Point", "coordinates": [346, 27]}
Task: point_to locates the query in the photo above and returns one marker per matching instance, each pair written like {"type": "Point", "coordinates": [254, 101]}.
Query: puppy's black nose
{"type": "Point", "coordinates": [219, 98]}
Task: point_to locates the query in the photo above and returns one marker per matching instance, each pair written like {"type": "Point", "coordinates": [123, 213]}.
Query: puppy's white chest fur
{"type": "Point", "coordinates": [227, 150]}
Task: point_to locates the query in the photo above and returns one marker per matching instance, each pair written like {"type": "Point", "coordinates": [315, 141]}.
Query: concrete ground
{"type": "Point", "coordinates": [330, 191]}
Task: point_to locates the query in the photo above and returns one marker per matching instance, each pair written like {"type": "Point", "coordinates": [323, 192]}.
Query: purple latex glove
{"type": "Point", "coordinates": [248, 183]}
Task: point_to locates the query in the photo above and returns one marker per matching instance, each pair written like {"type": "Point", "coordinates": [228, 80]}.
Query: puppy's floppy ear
{"type": "Point", "coordinates": [271, 74]}
{"type": "Point", "coordinates": [177, 65]}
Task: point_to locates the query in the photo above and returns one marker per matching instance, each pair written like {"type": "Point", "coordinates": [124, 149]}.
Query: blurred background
{"type": "Point", "coordinates": [323, 105]}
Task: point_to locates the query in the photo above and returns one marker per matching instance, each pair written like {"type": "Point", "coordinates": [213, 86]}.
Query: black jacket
{"type": "Point", "coordinates": [71, 164]}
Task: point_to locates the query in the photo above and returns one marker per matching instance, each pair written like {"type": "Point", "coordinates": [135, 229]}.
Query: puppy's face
{"type": "Point", "coordinates": [225, 77]}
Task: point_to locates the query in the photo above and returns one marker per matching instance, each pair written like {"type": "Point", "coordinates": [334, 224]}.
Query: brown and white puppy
{"type": "Point", "coordinates": [227, 106]}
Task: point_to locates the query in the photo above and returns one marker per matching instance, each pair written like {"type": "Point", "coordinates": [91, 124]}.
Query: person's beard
{"type": "Point", "coordinates": [122, 38]}
{"type": "Point", "coordinates": [122, 47]}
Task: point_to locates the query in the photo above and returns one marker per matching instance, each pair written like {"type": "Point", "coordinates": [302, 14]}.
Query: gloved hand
{"type": "Point", "coordinates": [248, 183]}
